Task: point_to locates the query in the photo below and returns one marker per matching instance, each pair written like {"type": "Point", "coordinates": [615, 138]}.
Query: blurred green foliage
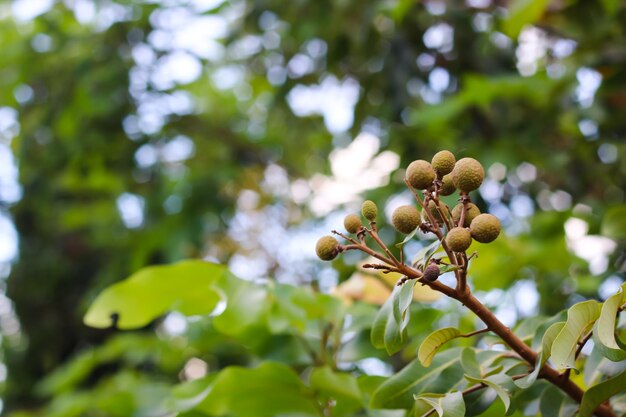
{"type": "Point", "coordinates": [522, 98]}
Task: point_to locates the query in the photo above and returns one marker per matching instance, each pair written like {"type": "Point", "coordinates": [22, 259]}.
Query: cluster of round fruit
{"type": "Point", "coordinates": [440, 177]}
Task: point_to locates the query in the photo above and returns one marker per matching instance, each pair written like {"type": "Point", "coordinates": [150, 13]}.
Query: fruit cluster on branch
{"type": "Point", "coordinates": [455, 228]}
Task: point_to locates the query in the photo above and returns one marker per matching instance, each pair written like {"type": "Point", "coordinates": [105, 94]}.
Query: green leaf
{"type": "Point", "coordinates": [336, 384]}
{"type": "Point", "coordinates": [426, 402]}
{"type": "Point", "coordinates": [407, 238]}
{"type": "Point", "coordinates": [601, 392]}
{"type": "Point", "coordinates": [528, 327]}
{"type": "Point", "coordinates": [447, 268]}
{"type": "Point", "coordinates": [580, 317]}
{"type": "Point", "coordinates": [442, 376]}
{"type": "Point", "coordinates": [185, 396]}
{"type": "Point", "coordinates": [341, 388]}
{"type": "Point", "coordinates": [247, 306]}
{"type": "Point", "coordinates": [433, 342]}
{"type": "Point", "coordinates": [554, 403]}
{"type": "Point", "coordinates": [186, 286]}
{"type": "Point", "coordinates": [529, 380]}
{"type": "Point", "coordinates": [614, 222]}
{"type": "Point", "coordinates": [270, 389]}
{"type": "Point", "coordinates": [610, 6]}
{"type": "Point", "coordinates": [548, 339]}
{"type": "Point", "coordinates": [521, 13]}
{"type": "Point", "coordinates": [291, 307]}
{"type": "Point", "coordinates": [446, 405]}
{"type": "Point", "coordinates": [386, 332]}
{"type": "Point", "coordinates": [545, 353]}
{"type": "Point", "coordinates": [495, 382]}
{"type": "Point", "coordinates": [469, 362]}
{"type": "Point", "coordinates": [604, 329]}
{"type": "Point", "coordinates": [597, 367]}
{"type": "Point", "coordinates": [423, 255]}
{"type": "Point", "coordinates": [402, 302]}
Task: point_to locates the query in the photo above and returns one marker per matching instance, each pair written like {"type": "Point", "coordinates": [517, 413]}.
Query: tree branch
{"type": "Point", "coordinates": [547, 372]}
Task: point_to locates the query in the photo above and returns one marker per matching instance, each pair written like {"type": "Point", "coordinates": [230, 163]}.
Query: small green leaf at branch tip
{"type": "Point", "coordinates": [402, 302]}
{"type": "Point", "coordinates": [433, 342]}
{"type": "Point", "coordinates": [422, 257]}
{"type": "Point", "coordinates": [448, 268]}
{"type": "Point", "coordinates": [389, 327]}
{"type": "Point", "coordinates": [580, 318]}
{"type": "Point", "coordinates": [495, 382]}
{"type": "Point", "coordinates": [445, 405]}
{"type": "Point", "coordinates": [601, 392]}
{"type": "Point", "coordinates": [407, 238]}
{"type": "Point", "coordinates": [604, 336]}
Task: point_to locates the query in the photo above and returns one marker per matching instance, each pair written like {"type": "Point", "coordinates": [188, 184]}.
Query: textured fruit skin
{"type": "Point", "coordinates": [420, 174]}
{"type": "Point", "coordinates": [468, 174]}
{"type": "Point", "coordinates": [470, 214]}
{"type": "Point", "coordinates": [431, 273]}
{"type": "Point", "coordinates": [485, 228]}
{"type": "Point", "coordinates": [352, 223]}
{"type": "Point", "coordinates": [433, 210]}
{"type": "Point", "coordinates": [447, 185]}
{"type": "Point", "coordinates": [405, 219]}
{"type": "Point", "coordinates": [443, 163]}
{"type": "Point", "coordinates": [459, 239]}
{"type": "Point", "coordinates": [327, 248]}
{"type": "Point", "coordinates": [369, 210]}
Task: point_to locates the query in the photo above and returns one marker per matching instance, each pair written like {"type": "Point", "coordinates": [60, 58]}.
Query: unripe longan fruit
{"type": "Point", "coordinates": [443, 163]}
{"type": "Point", "coordinates": [352, 223]}
{"type": "Point", "coordinates": [468, 174]}
{"type": "Point", "coordinates": [420, 174]}
{"type": "Point", "coordinates": [431, 273]}
{"type": "Point", "coordinates": [470, 213]}
{"type": "Point", "coordinates": [369, 210]}
{"type": "Point", "coordinates": [433, 210]}
{"type": "Point", "coordinates": [405, 219]}
{"type": "Point", "coordinates": [447, 185]}
{"type": "Point", "coordinates": [485, 228]}
{"type": "Point", "coordinates": [459, 239]}
{"type": "Point", "coordinates": [327, 248]}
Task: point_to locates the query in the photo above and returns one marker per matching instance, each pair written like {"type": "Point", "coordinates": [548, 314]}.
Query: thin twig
{"type": "Point", "coordinates": [475, 332]}
{"type": "Point", "coordinates": [348, 238]}
{"type": "Point", "coordinates": [464, 201]}
{"type": "Point", "coordinates": [440, 210]}
{"type": "Point", "coordinates": [380, 243]}
{"type": "Point", "coordinates": [583, 342]}
{"type": "Point", "coordinates": [367, 250]}
{"type": "Point", "coordinates": [463, 274]}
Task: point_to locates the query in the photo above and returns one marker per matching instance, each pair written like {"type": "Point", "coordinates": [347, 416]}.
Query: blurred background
{"type": "Point", "coordinates": [145, 132]}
